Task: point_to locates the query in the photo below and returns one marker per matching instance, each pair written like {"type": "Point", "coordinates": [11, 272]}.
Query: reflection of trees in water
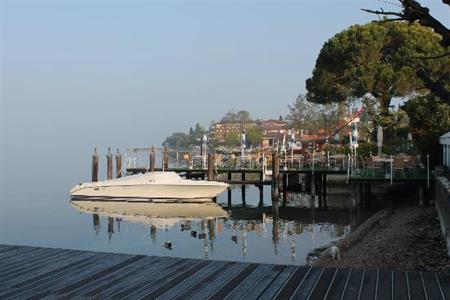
{"type": "Point", "coordinates": [282, 231]}
{"type": "Point", "coordinates": [96, 223]}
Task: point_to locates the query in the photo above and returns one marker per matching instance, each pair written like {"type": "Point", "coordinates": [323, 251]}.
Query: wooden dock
{"type": "Point", "coordinates": [34, 272]}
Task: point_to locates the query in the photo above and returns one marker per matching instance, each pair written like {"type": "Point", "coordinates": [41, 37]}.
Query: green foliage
{"type": "Point", "coordinates": [310, 116]}
{"type": "Point", "coordinates": [429, 119]}
{"type": "Point", "coordinates": [241, 116]}
{"type": "Point", "coordinates": [378, 59]}
{"type": "Point", "coordinates": [233, 139]}
{"type": "Point", "coordinates": [183, 141]}
{"type": "Point", "coordinates": [254, 135]}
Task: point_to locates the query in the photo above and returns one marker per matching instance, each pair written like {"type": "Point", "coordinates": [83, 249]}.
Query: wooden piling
{"type": "Point", "coordinates": [211, 175]}
{"type": "Point", "coordinates": [152, 160]}
{"type": "Point", "coordinates": [118, 164]}
{"type": "Point", "coordinates": [109, 164]}
{"type": "Point", "coordinates": [275, 176]}
{"type": "Point", "coordinates": [165, 158]}
{"type": "Point", "coordinates": [324, 191]}
{"type": "Point", "coordinates": [95, 166]}
{"type": "Point", "coordinates": [244, 203]}
{"type": "Point", "coordinates": [261, 196]}
{"type": "Point", "coordinates": [229, 189]}
{"type": "Point", "coordinates": [285, 184]}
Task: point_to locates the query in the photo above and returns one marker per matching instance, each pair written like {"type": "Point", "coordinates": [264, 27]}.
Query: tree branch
{"type": "Point", "coordinates": [412, 12]}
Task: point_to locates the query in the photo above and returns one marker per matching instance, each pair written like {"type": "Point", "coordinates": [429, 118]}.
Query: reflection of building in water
{"type": "Point", "coordinates": [110, 227]}
{"type": "Point", "coordinates": [211, 229]}
{"type": "Point", "coordinates": [153, 233]}
{"type": "Point", "coordinates": [244, 242]}
{"type": "Point", "coordinates": [118, 220]}
{"type": "Point", "coordinates": [292, 250]}
{"type": "Point", "coordinates": [96, 223]}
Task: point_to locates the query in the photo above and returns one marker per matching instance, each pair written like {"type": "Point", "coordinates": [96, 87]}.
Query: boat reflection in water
{"type": "Point", "coordinates": [206, 230]}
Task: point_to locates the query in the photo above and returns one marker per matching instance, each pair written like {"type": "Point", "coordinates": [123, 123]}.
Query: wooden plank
{"type": "Point", "coordinates": [260, 286]}
{"type": "Point", "coordinates": [158, 270]}
{"type": "Point", "coordinates": [141, 292]}
{"type": "Point", "coordinates": [127, 261]}
{"type": "Point", "coordinates": [369, 284]}
{"type": "Point", "coordinates": [192, 280]}
{"type": "Point", "coordinates": [337, 286]}
{"type": "Point", "coordinates": [323, 284]}
{"type": "Point", "coordinates": [384, 287]}
{"type": "Point", "coordinates": [20, 262]}
{"type": "Point", "coordinates": [353, 285]}
{"type": "Point", "coordinates": [34, 272]}
{"type": "Point", "coordinates": [81, 271]}
{"type": "Point", "coordinates": [232, 284]}
{"type": "Point", "coordinates": [306, 286]}
{"type": "Point", "coordinates": [171, 282]}
{"type": "Point", "coordinates": [444, 282]}
{"type": "Point", "coordinates": [47, 288]}
{"type": "Point", "coordinates": [38, 284]}
{"type": "Point", "coordinates": [431, 286]}
{"type": "Point", "coordinates": [400, 285]}
{"type": "Point", "coordinates": [415, 286]}
{"type": "Point", "coordinates": [96, 288]}
{"type": "Point", "coordinates": [188, 293]}
{"type": "Point", "coordinates": [291, 284]}
{"type": "Point", "coordinates": [139, 284]}
{"type": "Point", "coordinates": [26, 272]}
{"type": "Point", "coordinates": [15, 253]}
{"type": "Point", "coordinates": [273, 288]}
{"type": "Point", "coordinates": [219, 281]}
{"type": "Point", "coordinates": [249, 282]}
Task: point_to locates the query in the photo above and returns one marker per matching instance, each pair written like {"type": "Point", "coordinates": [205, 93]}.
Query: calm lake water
{"type": "Point", "coordinates": [38, 212]}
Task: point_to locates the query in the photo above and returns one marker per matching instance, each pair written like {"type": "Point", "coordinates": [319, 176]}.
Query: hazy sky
{"type": "Point", "coordinates": [128, 73]}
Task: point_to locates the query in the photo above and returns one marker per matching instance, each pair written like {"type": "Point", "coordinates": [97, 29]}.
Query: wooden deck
{"type": "Point", "coordinates": [34, 272]}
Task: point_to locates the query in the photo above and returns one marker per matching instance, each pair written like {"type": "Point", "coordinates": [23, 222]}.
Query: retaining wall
{"type": "Point", "coordinates": [443, 206]}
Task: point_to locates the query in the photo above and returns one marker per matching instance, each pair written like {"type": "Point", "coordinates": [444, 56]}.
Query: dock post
{"type": "Point", "coordinates": [261, 196]}
{"type": "Point", "coordinates": [229, 190]}
{"type": "Point", "coordinates": [318, 189]}
{"type": "Point", "coordinates": [95, 166]}
{"type": "Point", "coordinates": [165, 158]}
{"type": "Point", "coordinates": [285, 183]}
{"type": "Point", "coordinates": [244, 204]}
{"type": "Point", "coordinates": [109, 164]}
{"type": "Point", "coordinates": [308, 183]}
{"type": "Point", "coordinates": [275, 175]}
{"type": "Point", "coordinates": [118, 164]}
{"type": "Point", "coordinates": [152, 160]}
{"type": "Point", "coordinates": [324, 191]}
{"type": "Point", "coordinates": [211, 167]}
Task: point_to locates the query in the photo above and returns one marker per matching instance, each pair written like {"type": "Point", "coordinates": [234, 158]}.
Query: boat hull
{"type": "Point", "coordinates": [152, 192]}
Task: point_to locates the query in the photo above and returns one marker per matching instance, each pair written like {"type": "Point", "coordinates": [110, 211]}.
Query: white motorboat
{"type": "Point", "coordinates": [153, 187]}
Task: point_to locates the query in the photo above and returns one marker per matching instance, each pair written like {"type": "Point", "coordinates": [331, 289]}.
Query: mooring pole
{"type": "Point", "coordinates": [285, 184]}
{"type": "Point", "coordinates": [152, 160]}
{"type": "Point", "coordinates": [118, 164]}
{"type": "Point", "coordinates": [165, 158]}
{"type": "Point", "coordinates": [211, 167]}
{"type": "Point", "coordinates": [95, 166]}
{"type": "Point", "coordinates": [109, 164]}
{"type": "Point", "coordinates": [229, 190]}
{"type": "Point", "coordinates": [275, 176]}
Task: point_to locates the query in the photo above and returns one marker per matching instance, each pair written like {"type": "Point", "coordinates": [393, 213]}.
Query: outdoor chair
{"type": "Point", "coordinates": [411, 165]}
{"type": "Point", "coordinates": [371, 166]}
{"type": "Point", "coordinates": [398, 165]}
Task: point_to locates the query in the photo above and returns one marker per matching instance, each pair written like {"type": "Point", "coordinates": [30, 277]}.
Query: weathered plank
{"type": "Point", "coordinates": [34, 273]}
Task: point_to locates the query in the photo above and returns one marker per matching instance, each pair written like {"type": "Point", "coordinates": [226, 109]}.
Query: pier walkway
{"type": "Point", "coordinates": [35, 272]}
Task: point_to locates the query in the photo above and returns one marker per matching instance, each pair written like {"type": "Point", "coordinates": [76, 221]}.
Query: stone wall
{"type": "Point", "coordinates": [443, 206]}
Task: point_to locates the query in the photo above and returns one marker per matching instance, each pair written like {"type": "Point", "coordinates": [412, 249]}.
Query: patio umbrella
{"type": "Point", "coordinates": [379, 139]}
